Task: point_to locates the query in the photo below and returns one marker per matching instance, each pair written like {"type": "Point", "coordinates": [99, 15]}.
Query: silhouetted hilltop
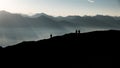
{"type": "Point", "coordinates": [92, 40]}
{"type": "Point", "coordinates": [86, 50]}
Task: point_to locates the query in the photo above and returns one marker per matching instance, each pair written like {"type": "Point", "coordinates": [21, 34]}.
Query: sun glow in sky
{"type": "Point", "coordinates": [62, 7]}
{"type": "Point", "coordinates": [5, 4]}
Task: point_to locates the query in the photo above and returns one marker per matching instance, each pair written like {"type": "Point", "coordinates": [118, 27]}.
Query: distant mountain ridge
{"type": "Point", "coordinates": [15, 28]}
{"type": "Point", "coordinates": [38, 19]}
{"type": "Point", "coordinates": [39, 15]}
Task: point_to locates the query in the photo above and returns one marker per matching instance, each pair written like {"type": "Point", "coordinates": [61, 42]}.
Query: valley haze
{"type": "Point", "coordinates": [15, 28]}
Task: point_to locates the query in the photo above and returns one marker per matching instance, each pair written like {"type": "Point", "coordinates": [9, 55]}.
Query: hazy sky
{"type": "Point", "coordinates": [62, 7]}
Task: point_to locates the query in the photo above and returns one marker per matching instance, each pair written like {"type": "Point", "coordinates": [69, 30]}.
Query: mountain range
{"type": "Point", "coordinates": [15, 28]}
{"type": "Point", "coordinates": [40, 20]}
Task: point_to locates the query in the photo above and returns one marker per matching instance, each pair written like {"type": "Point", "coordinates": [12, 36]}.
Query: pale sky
{"type": "Point", "coordinates": [62, 7]}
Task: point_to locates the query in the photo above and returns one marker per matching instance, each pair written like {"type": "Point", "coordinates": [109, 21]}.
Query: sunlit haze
{"type": "Point", "coordinates": [62, 7]}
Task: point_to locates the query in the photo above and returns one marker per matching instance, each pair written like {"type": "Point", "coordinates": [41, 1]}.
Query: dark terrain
{"type": "Point", "coordinates": [76, 50]}
{"type": "Point", "coordinates": [95, 40]}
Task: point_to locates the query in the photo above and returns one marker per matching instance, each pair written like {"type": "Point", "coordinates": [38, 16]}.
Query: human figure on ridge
{"type": "Point", "coordinates": [50, 35]}
{"type": "Point", "coordinates": [77, 31]}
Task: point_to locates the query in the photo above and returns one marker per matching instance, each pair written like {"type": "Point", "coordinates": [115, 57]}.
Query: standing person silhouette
{"type": "Point", "coordinates": [79, 31]}
{"type": "Point", "coordinates": [50, 35]}
{"type": "Point", "coordinates": [76, 31]}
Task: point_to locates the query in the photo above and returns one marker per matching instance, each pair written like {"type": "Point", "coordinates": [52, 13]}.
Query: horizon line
{"type": "Point", "coordinates": [58, 15]}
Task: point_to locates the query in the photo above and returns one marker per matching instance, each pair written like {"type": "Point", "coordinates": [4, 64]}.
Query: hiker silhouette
{"type": "Point", "coordinates": [77, 31]}
{"type": "Point", "coordinates": [50, 35]}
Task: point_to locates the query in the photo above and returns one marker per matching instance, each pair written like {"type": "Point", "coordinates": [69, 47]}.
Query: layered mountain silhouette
{"type": "Point", "coordinates": [15, 28]}
{"type": "Point", "coordinates": [41, 19]}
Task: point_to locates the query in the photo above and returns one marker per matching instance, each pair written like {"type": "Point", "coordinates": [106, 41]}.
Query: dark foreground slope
{"type": "Point", "coordinates": [98, 39]}
{"type": "Point", "coordinates": [76, 50]}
